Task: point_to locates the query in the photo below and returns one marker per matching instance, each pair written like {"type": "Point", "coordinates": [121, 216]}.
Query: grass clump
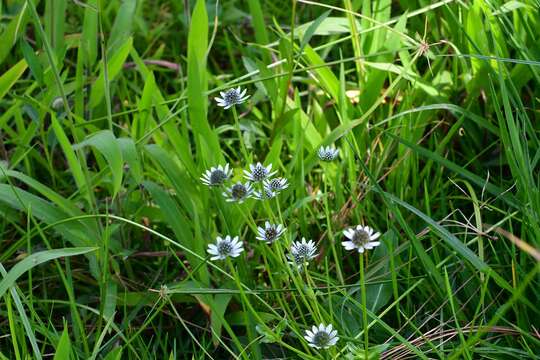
{"type": "Point", "coordinates": [264, 180]}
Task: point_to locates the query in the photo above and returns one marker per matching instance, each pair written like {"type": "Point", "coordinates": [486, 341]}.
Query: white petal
{"type": "Point", "coordinates": [375, 236]}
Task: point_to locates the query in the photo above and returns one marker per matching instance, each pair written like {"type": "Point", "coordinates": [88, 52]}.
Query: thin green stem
{"type": "Point", "coordinates": [364, 305]}
{"type": "Point", "coordinates": [240, 136]}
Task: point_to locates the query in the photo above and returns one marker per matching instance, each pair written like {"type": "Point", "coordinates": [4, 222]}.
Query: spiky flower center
{"type": "Point", "coordinates": [259, 173]}
{"type": "Point", "coordinates": [321, 338]}
{"type": "Point", "coordinates": [275, 184]}
{"type": "Point", "coordinates": [231, 96]}
{"type": "Point", "coordinates": [224, 248]}
{"type": "Point", "coordinates": [217, 177]}
{"type": "Point", "coordinates": [270, 233]}
{"type": "Point", "coordinates": [238, 191]}
{"type": "Point", "coordinates": [327, 154]}
{"type": "Point", "coordinates": [302, 253]}
{"type": "Point", "coordinates": [360, 238]}
{"type": "Point", "coordinates": [267, 194]}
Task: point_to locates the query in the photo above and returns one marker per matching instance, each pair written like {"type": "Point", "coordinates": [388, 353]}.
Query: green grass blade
{"type": "Point", "coordinates": [35, 259]}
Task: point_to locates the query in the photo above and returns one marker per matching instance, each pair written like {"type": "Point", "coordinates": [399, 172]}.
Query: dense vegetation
{"type": "Point", "coordinates": [124, 182]}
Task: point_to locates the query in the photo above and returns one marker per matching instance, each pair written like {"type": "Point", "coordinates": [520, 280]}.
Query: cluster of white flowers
{"type": "Point", "coordinates": [260, 185]}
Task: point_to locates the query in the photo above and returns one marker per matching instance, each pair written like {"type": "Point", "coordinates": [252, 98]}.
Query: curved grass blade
{"type": "Point", "coordinates": [35, 259]}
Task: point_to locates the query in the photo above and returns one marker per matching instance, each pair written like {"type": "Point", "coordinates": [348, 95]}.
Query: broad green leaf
{"type": "Point", "coordinates": [181, 226]}
{"type": "Point", "coordinates": [131, 156]}
{"type": "Point", "coordinates": [32, 61]}
{"type": "Point", "coordinates": [10, 33]}
{"type": "Point", "coordinates": [114, 66]}
{"type": "Point", "coordinates": [35, 259]}
{"type": "Point", "coordinates": [55, 15]}
{"type": "Point", "coordinates": [326, 77]}
{"type": "Point", "coordinates": [327, 26]}
{"type": "Point", "coordinates": [312, 28]}
{"type": "Point", "coordinates": [63, 350]}
{"type": "Point", "coordinates": [115, 354]}
{"type": "Point", "coordinates": [143, 120]}
{"type": "Point", "coordinates": [89, 36]}
{"type": "Point", "coordinates": [121, 29]}
{"type": "Point", "coordinates": [407, 74]}
{"type": "Point", "coordinates": [207, 142]}
{"type": "Point", "coordinates": [107, 144]}
{"type": "Point", "coordinates": [219, 306]}
{"type": "Point", "coordinates": [69, 153]}
{"type": "Point", "coordinates": [10, 77]}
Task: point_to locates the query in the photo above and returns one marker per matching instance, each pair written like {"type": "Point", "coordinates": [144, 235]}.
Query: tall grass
{"type": "Point", "coordinates": [108, 121]}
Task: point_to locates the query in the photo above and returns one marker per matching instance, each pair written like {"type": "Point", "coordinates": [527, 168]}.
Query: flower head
{"type": "Point", "coordinates": [277, 184]}
{"type": "Point", "coordinates": [321, 337]}
{"type": "Point", "coordinates": [224, 248]}
{"type": "Point", "coordinates": [265, 194]}
{"type": "Point", "coordinates": [327, 153]}
{"type": "Point", "coordinates": [270, 232]}
{"type": "Point", "coordinates": [216, 176]}
{"type": "Point", "coordinates": [231, 97]}
{"type": "Point", "coordinates": [238, 192]}
{"type": "Point", "coordinates": [259, 172]}
{"type": "Point", "coordinates": [360, 238]}
{"type": "Point", "coordinates": [302, 252]}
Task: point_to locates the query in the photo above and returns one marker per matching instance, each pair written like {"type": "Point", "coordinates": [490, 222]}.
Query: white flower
{"type": "Point", "coordinates": [302, 252]}
{"type": "Point", "coordinates": [265, 194]}
{"type": "Point", "coordinates": [216, 176]}
{"type": "Point", "coordinates": [270, 232]}
{"type": "Point", "coordinates": [231, 97]}
{"type": "Point", "coordinates": [225, 247]}
{"type": "Point", "coordinates": [321, 337]}
{"type": "Point", "coordinates": [259, 172]}
{"type": "Point", "coordinates": [238, 192]}
{"type": "Point", "coordinates": [327, 153]}
{"type": "Point", "coordinates": [360, 238]}
{"type": "Point", "coordinates": [277, 184]}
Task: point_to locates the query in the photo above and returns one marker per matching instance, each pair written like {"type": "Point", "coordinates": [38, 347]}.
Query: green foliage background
{"type": "Point", "coordinates": [107, 121]}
